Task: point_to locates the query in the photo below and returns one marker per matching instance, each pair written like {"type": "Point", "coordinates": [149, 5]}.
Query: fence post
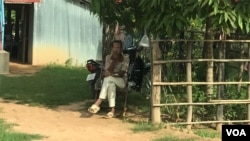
{"type": "Point", "coordinates": [248, 86]}
{"type": "Point", "coordinates": [189, 79]}
{"type": "Point", "coordinates": [155, 77]}
{"type": "Point", "coordinates": [220, 90]}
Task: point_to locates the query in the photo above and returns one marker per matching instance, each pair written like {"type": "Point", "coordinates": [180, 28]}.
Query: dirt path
{"type": "Point", "coordinates": [67, 124]}
{"type": "Point", "coordinates": [70, 123]}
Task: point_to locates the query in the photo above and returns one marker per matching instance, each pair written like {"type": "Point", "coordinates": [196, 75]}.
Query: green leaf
{"type": "Point", "coordinates": [247, 27]}
{"type": "Point", "coordinates": [204, 3]}
{"type": "Point", "coordinates": [240, 22]}
{"type": "Point", "coordinates": [225, 16]}
{"type": "Point", "coordinates": [162, 7]}
{"type": "Point", "coordinates": [210, 2]}
{"type": "Point", "coordinates": [232, 16]}
{"type": "Point", "coordinates": [149, 22]}
{"type": "Point", "coordinates": [188, 10]}
{"type": "Point", "coordinates": [216, 8]}
{"type": "Point", "coordinates": [158, 2]}
{"type": "Point", "coordinates": [153, 3]}
{"type": "Point", "coordinates": [178, 24]}
{"type": "Point", "coordinates": [232, 22]}
{"type": "Point", "coordinates": [220, 19]}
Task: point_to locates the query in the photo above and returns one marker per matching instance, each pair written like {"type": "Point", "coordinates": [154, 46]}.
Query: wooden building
{"type": "Point", "coordinates": [51, 31]}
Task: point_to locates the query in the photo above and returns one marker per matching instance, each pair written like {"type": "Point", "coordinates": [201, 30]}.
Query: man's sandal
{"type": "Point", "coordinates": [94, 109]}
{"type": "Point", "coordinates": [109, 115]}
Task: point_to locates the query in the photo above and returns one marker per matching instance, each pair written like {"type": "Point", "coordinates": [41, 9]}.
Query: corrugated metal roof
{"type": "Point", "coordinates": [21, 1]}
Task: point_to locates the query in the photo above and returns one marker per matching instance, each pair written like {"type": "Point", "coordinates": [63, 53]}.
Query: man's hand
{"type": "Point", "coordinates": [121, 73]}
{"type": "Point", "coordinates": [106, 73]}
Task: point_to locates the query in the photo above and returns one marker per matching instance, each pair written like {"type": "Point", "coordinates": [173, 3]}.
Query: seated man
{"type": "Point", "coordinates": [116, 65]}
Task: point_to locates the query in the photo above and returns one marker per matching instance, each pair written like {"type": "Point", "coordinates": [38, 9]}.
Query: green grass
{"type": "Point", "coordinates": [52, 86]}
{"type": "Point", "coordinates": [173, 138]}
{"type": "Point", "coordinates": [207, 133]}
{"type": "Point", "coordinates": [203, 133]}
{"type": "Point", "coordinates": [136, 99]}
{"type": "Point", "coordinates": [147, 126]}
{"type": "Point", "coordinates": [6, 134]}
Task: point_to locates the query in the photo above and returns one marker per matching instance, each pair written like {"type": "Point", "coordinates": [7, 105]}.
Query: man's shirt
{"type": "Point", "coordinates": [120, 66]}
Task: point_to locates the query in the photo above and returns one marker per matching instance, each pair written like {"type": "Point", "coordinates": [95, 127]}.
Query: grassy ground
{"type": "Point", "coordinates": [6, 134]}
{"type": "Point", "coordinates": [53, 86]}
{"type": "Point", "coordinates": [58, 85]}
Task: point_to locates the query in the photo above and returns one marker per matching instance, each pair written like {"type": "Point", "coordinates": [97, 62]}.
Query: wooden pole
{"type": "Point", "coordinates": [248, 88]}
{"type": "Point", "coordinates": [220, 90]}
{"type": "Point", "coordinates": [189, 79]}
{"type": "Point", "coordinates": [241, 70]}
{"type": "Point", "coordinates": [156, 90]}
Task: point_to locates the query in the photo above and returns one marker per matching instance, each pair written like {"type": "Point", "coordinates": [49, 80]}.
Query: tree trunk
{"type": "Point", "coordinates": [108, 36]}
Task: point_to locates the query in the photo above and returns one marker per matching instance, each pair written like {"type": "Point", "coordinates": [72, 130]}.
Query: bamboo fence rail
{"type": "Point", "coordinates": [157, 83]}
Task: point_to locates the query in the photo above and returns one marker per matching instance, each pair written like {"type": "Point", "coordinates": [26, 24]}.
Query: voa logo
{"type": "Point", "coordinates": [236, 132]}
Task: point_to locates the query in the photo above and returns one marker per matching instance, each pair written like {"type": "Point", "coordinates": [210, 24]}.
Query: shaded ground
{"type": "Point", "coordinates": [72, 122]}
{"type": "Point", "coordinates": [22, 69]}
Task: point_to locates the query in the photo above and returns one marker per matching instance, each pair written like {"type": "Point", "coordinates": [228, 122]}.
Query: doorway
{"type": "Point", "coordinates": [17, 29]}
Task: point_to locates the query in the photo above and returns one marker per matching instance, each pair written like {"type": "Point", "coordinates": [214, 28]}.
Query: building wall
{"type": "Point", "coordinates": [1, 24]}
{"type": "Point", "coordinates": [64, 30]}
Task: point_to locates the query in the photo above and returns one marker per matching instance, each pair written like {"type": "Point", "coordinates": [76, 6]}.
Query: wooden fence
{"type": "Point", "coordinates": [157, 83]}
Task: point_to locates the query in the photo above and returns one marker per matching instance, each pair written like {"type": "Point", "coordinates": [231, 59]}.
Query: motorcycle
{"type": "Point", "coordinates": [138, 69]}
{"type": "Point", "coordinates": [95, 68]}
{"type": "Point", "coordinates": [136, 72]}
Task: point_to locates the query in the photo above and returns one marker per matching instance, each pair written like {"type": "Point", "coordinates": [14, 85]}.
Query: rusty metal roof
{"type": "Point", "coordinates": [21, 1]}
